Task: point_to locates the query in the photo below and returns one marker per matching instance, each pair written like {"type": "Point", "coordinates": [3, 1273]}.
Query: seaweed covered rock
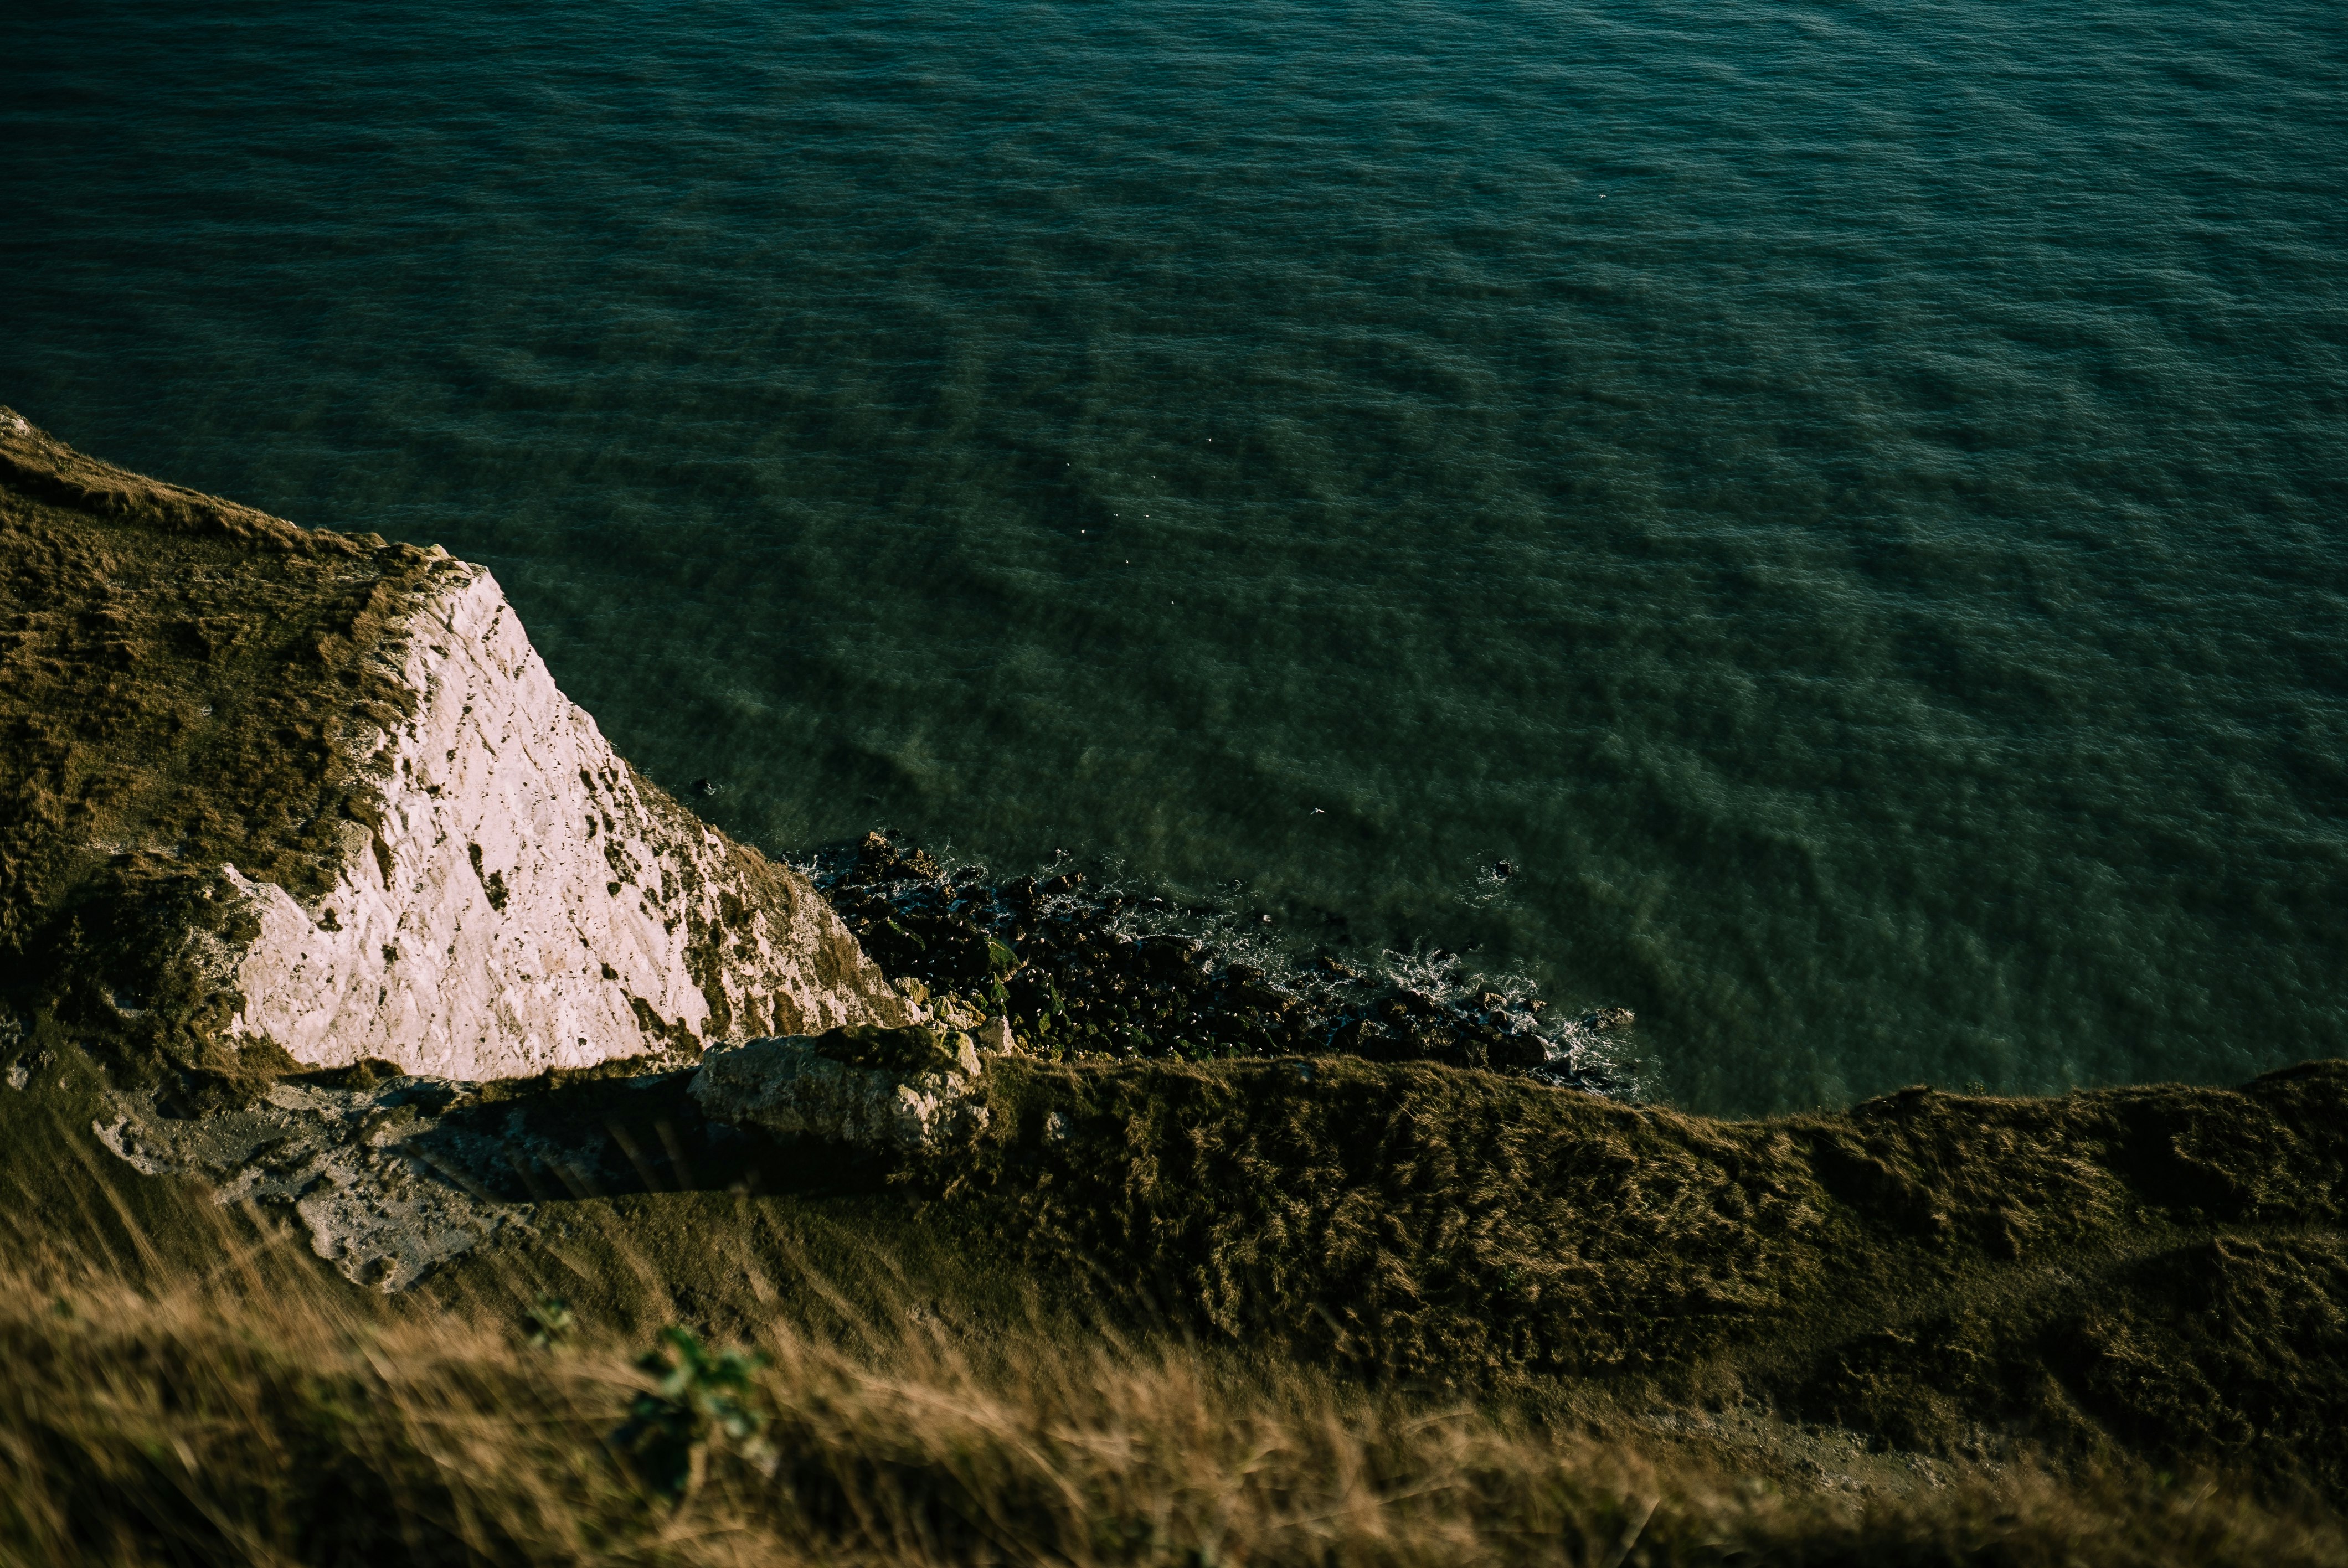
{"type": "Point", "coordinates": [1086, 971]}
{"type": "Point", "coordinates": [912, 1089]}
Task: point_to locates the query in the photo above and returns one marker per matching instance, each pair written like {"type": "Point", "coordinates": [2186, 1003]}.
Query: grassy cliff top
{"type": "Point", "coordinates": [182, 682]}
{"type": "Point", "coordinates": [2151, 1275]}
{"type": "Point", "coordinates": [2155, 1271]}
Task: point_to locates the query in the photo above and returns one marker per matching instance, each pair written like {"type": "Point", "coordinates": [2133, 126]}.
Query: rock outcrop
{"type": "Point", "coordinates": [522, 900]}
{"type": "Point", "coordinates": [266, 783]}
{"type": "Point", "coordinates": [386, 1190]}
{"type": "Point", "coordinates": [888, 1091]}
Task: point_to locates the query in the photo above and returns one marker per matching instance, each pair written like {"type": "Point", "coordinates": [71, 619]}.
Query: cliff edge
{"type": "Point", "coordinates": [272, 792]}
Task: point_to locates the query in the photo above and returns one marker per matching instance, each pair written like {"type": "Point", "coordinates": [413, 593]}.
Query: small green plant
{"type": "Point", "coordinates": [548, 1323]}
{"type": "Point", "coordinates": [702, 1401]}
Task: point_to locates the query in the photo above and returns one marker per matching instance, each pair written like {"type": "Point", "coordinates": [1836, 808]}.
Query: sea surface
{"type": "Point", "coordinates": [1849, 501]}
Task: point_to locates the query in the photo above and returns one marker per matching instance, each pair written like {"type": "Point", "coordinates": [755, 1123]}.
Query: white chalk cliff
{"type": "Point", "coordinates": [522, 900]}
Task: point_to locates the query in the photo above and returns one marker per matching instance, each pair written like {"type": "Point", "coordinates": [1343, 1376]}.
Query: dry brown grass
{"type": "Point", "coordinates": [2155, 1273]}
{"type": "Point", "coordinates": [185, 1384]}
{"type": "Point", "coordinates": [250, 1409]}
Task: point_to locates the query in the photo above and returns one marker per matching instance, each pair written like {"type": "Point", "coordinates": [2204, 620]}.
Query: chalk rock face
{"type": "Point", "coordinates": [524, 901]}
{"type": "Point", "coordinates": [886, 1089]}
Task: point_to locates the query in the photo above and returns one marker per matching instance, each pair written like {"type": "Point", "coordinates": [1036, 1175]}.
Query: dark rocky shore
{"type": "Point", "coordinates": [1085, 970]}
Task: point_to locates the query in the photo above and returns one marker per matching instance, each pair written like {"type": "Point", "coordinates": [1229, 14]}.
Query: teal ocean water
{"type": "Point", "coordinates": [1846, 499]}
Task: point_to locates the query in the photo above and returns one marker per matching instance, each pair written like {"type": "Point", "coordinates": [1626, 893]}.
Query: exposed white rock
{"type": "Point", "coordinates": [524, 901]}
{"type": "Point", "coordinates": [883, 1090]}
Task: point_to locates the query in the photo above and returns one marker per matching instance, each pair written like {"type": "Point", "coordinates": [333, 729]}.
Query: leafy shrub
{"type": "Point", "coordinates": [702, 1399]}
